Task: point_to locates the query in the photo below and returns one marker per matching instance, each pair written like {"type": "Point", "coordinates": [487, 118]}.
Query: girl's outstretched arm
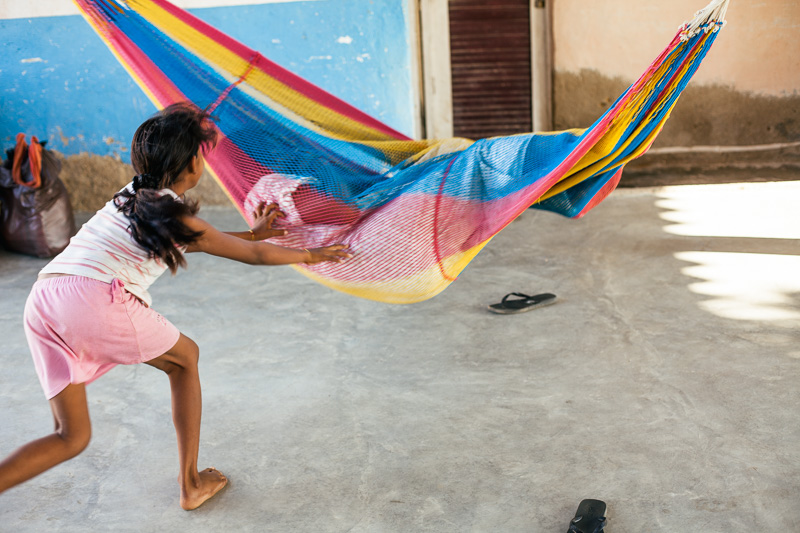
{"type": "Point", "coordinates": [214, 242]}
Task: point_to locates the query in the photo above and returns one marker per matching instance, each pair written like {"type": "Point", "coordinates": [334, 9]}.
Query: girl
{"type": "Point", "coordinates": [90, 310]}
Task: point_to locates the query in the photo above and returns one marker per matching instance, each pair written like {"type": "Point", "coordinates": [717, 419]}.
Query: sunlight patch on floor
{"type": "Point", "coordinates": [754, 210]}
{"type": "Point", "coordinates": [743, 286]}
{"type": "Point", "coordinates": [746, 286]}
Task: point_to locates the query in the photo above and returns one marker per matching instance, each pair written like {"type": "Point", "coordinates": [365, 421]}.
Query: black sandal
{"type": "Point", "coordinates": [589, 518]}
{"type": "Point", "coordinates": [522, 303]}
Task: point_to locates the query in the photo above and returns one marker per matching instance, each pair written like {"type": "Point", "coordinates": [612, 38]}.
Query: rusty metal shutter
{"type": "Point", "coordinates": [490, 47]}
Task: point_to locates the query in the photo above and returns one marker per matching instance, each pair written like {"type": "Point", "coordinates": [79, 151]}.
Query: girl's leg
{"type": "Point", "coordinates": [72, 433]}
{"type": "Point", "coordinates": [180, 364]}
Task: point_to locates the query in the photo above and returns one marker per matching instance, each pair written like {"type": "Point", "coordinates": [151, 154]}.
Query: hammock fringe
{"type": "Point", "coordinates": [710, 18]}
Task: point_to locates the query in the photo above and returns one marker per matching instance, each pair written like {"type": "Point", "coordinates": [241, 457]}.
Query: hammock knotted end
{"type": "Point", "coordinates": [709, 19]}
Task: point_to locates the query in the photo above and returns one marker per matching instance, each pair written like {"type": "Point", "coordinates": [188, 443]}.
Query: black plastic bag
{"type": "Point", "coordinates": [36, 215]}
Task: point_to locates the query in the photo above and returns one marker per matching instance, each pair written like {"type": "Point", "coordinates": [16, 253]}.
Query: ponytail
{"type": "Point", "coordinates": [156, 223]}
{"type": "Point", "coordinates": [162, 147]}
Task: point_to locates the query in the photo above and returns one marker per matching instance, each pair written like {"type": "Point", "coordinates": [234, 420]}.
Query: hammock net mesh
{"type": "Point", "coordinates": [413, 212]}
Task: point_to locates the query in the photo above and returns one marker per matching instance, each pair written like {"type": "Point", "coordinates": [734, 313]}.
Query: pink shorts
{"type": "Point", "coordinates": [80, 328]}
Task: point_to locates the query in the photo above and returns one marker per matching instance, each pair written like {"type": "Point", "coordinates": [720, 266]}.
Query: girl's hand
{"type": "Point", "coordinates": [263, 217]}
{"type": "Point", "coordinates": [336, 253]}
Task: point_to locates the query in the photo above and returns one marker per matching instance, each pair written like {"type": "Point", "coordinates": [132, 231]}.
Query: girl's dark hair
{"type": "Point", "coordinates": [162, 147]}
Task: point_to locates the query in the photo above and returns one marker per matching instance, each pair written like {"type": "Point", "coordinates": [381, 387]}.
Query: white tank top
{"type": "Point", "coordinates": [103, 249]}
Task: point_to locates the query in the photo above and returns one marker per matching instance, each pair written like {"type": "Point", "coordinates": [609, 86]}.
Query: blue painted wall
{"type": "Point", "coordinates": [59, 81]}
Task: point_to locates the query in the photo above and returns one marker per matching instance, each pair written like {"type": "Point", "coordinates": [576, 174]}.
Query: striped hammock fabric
{"type": "Point", "coordinates": [414, 213]}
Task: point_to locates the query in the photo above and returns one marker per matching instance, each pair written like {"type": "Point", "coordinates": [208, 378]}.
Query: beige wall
{"type": "Point", "coordinates": [749, 84]}
{"type": "Point", "coordinates": [758, 51]}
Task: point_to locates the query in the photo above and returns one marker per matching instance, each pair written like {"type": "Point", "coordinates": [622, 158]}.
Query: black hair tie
{"type": "Point", "coordinates": [144, 181]}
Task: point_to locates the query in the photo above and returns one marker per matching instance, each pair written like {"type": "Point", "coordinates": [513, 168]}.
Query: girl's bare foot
{"type": "Point", "coordinates": [209, 482]}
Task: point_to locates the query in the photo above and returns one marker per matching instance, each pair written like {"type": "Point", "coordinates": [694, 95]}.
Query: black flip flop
{"type": "Point", "coordinates": [589, 518]}
{"type": "Point", "coordinates": [522, 303]}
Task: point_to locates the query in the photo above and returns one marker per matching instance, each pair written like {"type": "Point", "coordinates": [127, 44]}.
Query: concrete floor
{"type": "Point", "coordinates": [665, 381]}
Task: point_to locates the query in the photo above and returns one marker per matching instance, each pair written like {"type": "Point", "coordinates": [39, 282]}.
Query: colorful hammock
{"type": "Point", "coordinates": [414, 213]}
